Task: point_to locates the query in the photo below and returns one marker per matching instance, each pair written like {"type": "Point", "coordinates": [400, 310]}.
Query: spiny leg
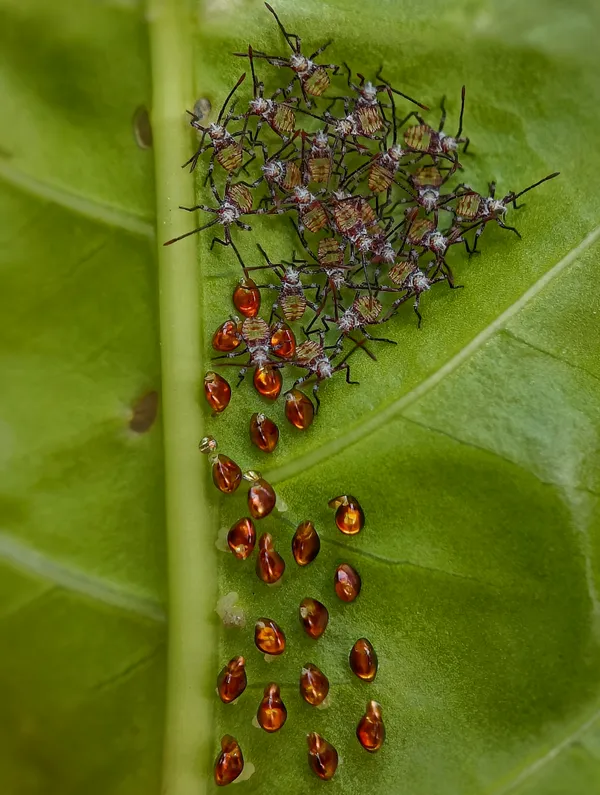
{"type": "Point", "coordinates": [377, 339]}
{"type": "Point", "coordinates": [511, 228]}
{"type": "Point", "coordinates": [320, 50]}
{"type": "Point", "coordinates": [416, 308]}
{"type": "Point", "coordinates": [315, 391]}
{"type": "Point", "coordinates": [345, 366]}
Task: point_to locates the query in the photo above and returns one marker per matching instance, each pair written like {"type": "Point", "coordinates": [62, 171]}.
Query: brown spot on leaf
{"type": "Point", "coordinates": [142, 128]}
{"type": "Point", "coordinates": [144, 412]}
{"type": "Point", "coordinates": [202, 108]}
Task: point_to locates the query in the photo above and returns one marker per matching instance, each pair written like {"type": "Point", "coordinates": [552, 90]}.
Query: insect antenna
{"type": "Point", "coordinates": [193, 232]}
{"type": "Point", "coordinates": [238, 255]}
{"type": "Point", "coordinates": [308, 113]}
{"type": "Point", "coordinates": [535, 184]}
{"type": "Point", "coordinates": [231, 93]}
{"type": "Point", "coordinates": [394, 120]}
{"type": "Point", "coordinates": [303, 242]}
{"type": "Point", "coordinates": [462, 111]}
{"type": "Point", "coordinates": [411, 217]}
{"type": "Point", "coordinates": [288, 37]}
{"type": "Point", "coordinates": [378, 76]}
{"type": "Point", "coordinates": [254, 80]}
{"type": "Point", "coordinates": [280, 151]}
{"type": "Point", "coordinates": [270, 265]}
{"type": "Point", "coordinates": [357, 344]}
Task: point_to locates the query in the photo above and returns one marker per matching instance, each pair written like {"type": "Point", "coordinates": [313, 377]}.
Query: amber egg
{"type": "Point", "coordinates": [299, 410]}
{"type": "Point", "coordinates": [269, 637]}
{"type": "Point", "coordinates": [370, 730]}
{"type": "Point", "coordinates": [271, 713]}
{"type": "Point", "coordinates": [232, 680]}
{"type": "Point", "coordinates": [346, 582]}
{"type": "Point", "coordinates": [349, 516]}
{"type": "Point", "coordinates": [242, 538]}
{"type": "Point", "coordinates": [246, 298]}
{"type": "Point", "coordinates": [322, 756]}
{"type": "Point", "coordinates": [363, 660]}
{"type": "Point", "coordinates": [314, 685]}
{"type": "Point", "coordinates": [305, 543]}
{"type": "Point", "coordinates": [227, 338]}
{"type": "Point", "coordinates": [230, 762]}
{"type": "Point", "coordinates": [261, 499]}
{"type": "Point", "coordinates": [283, 342]}
{"type": "Point", "coordinates": [314, 617]}
{"type": "Point", "coordinates": [217, 392]}
{"type": "Point", "coordinates": [263, 433]}
{"type": "Point", "coordinates": [267, 381]}
{"type": "Point", "coordinates": [269, 563]}
{"type": "Point", "coordinates": [226, 474]}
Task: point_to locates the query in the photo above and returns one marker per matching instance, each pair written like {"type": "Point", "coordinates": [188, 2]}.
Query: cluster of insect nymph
{"type": "Point", "coordinates": [366, 189]}
{"type": "Point", "coordinates": [374, 194]}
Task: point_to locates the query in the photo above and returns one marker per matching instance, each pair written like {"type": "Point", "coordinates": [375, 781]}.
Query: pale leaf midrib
{"type": "Point", "coordinates": [369, 425]}
{"type": "Point", "coordinates": [189, 521]}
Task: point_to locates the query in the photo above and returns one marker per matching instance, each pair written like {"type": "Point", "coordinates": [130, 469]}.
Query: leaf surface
{"type": "Point", "coordinates": [472, 445]}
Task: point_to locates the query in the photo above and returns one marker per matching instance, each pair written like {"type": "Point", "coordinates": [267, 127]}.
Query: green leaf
{"type": "Point", "coordinates": [472, 445]}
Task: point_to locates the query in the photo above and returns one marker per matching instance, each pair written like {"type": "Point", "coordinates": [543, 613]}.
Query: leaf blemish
{"type": "Point", "coordinates": [248, 771]}
{"type": "Point", "coordinates": [231, 614]}
{"type": "Point", "coordinates": [202, 108]}
{"type": "Point", "coordinates": [144, 412]}
{"type": "Point", "coordinates": [221, 540]}
{"type": "Point", "coordinates": [142, 127]}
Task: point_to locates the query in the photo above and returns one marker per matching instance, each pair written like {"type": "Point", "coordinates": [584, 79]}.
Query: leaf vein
{"type": "Point", "coordinates": [101, 213]}
{"type": "Point", "coordinates": [543, 760]}
{"type": "Point", "coordinates": [131, 669]}
{"type": "Point", "coordinates": [397, 562]}
{"type": "Point", "coordinates": [28, 560]}
{"type": "Point", "coordinates": [555, 484]}
{"type": "Point", "coordinates": [545, 352]}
